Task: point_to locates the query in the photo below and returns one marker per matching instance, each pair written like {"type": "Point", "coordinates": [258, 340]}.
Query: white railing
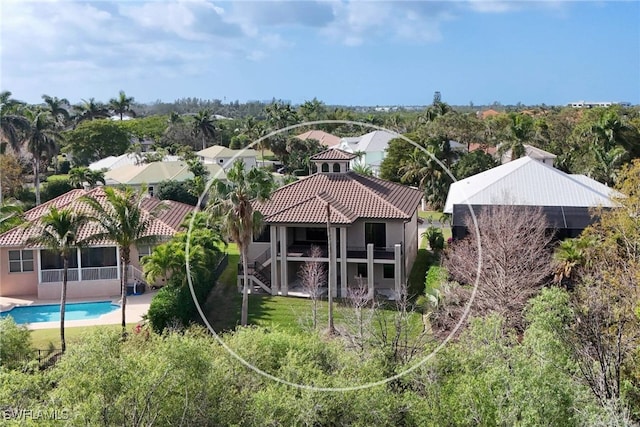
{"type": "Point", "coordinates": [100, 273]}
{"type": "Point", "coordinates": [135, 274]}
{"type": "Point", "coordinates": [51, 276]}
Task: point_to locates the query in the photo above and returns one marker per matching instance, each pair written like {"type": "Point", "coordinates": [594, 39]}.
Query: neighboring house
{"type": "Point", "coordinates": [225, 157]}
{"type": "Point", "coordinates": [326, 139]}
{"type": "Point", "coordinates": [566, 199]}
{"type": "Point", "coordinates": [150, 175]}
{"type": "Point", "coordinates": [95, 271]}
{"type": "Point", "coordinates": [371, 148]}
{"type": "Point", "coordinates": [533, 152]}
{"type": "Point", "coordinates": [374, 230]}
{"type": "Point", "coordinates": [113, 162]}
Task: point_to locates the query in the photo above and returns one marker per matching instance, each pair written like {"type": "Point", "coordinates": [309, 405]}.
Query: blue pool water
{"type": "Point", "coordinates": [51, 312]}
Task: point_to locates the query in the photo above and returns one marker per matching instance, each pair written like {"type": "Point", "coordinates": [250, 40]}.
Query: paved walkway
{"type": "Point", "coordinates": [137, 306]}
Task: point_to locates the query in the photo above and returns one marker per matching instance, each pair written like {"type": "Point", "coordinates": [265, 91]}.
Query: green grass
{"type": "Point", "coordinates": [45, 338]}
{"type": "Point", "coordinates": [418, 273]}
{"type": "Point", "coordinates": [59, 177]}
{"type": "Point", "coordinates": [430, 215]}
{"type": "Point", "coordinates": [229, 276]}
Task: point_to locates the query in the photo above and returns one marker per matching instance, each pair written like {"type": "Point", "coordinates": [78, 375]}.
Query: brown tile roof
{"type": "Point", "coordinates": [167, 223]}
{"type": "Point", "coordinates": [351, 196]}
{"type": "Point", "coordinates": [489, 149]}
{"type": "Point", "coordinates": [333, 154]}
{"type": "Point", "coordinates": [323, 137]}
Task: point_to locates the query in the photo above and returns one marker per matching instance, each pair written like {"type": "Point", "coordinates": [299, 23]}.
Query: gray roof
{"type": "Point", "coordinates": [528, 182]}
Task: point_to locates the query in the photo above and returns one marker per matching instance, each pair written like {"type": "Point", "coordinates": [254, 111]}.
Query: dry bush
{"type": "Point", "coordinates": [515, 257]}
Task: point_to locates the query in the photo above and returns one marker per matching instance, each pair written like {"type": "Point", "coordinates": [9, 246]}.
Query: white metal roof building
{"type": "Point", "coordinates": [566, 199]}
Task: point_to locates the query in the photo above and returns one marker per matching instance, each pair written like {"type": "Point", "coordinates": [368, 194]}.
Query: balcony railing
{"type": "Point", "coordinates": [88, 273]}
{"type": "Point", "coordinates": [302, 250]}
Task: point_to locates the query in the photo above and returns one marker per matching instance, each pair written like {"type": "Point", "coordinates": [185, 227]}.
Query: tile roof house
{"type": "Point", "coordinates": [566, 199]}
{"type": "Point", "coordinates": [326, 139]}
{"type": "Point", "coordinates": [225, 157]}
{"type": "Point", "coordinates": [374, 230]}
{"type": "Point", "coordinates": [95, 271]}
{"type": "Point", "coordinates": [372, 148]}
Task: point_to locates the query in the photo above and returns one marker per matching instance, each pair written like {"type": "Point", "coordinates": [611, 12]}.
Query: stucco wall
{"type": "Point", "coordinates": [84, 289]}
{"type": "Point", "coordinates": [15, 284]}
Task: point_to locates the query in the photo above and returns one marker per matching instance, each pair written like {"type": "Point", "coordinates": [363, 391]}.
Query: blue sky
{"type": "Point", "coordinates": [342, 52]}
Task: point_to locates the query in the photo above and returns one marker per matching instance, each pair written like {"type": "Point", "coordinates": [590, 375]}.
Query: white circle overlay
{"type": "Point", "coordinates": [272, 377]}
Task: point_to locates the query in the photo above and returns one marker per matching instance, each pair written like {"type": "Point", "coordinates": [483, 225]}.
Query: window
{"type": "Point", "coordinates": [388, 271]}
{"type": "Point", "coordinates": [144, 250]}
{"type": "Point", "coordinates": [265, 236]}
{"type": "Point", "coordinates": [325, 167]}
{"type": "Point", "coordinates": [376, 233]}
{"type": "Point", "coordinates": [336, 167]}
{"type": "Point", "coordinates": [362, 270]}
{"type": "Point", "coordinates": [98, 257]}
{"type": "Point", "coordinates": [51, 260]}
{"type": "Point", "coordinates": [20, 261]}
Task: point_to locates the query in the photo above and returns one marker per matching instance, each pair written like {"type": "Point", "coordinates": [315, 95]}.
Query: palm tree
{"type": "Point", "coordinates": [42, 143]}
{"type": "Point", "coordinates": [10, 215]}
{"type": "Point", "coordinates": [520, 131]}
{"type": "Point", "coordinates": [231, 202]}
{"type": "Point", "coordinates": [81, 174]}
{"type": "Point", "coordinates": [58, 108]}
{"type": "Point", "coordinates": [89, 110]}
{"type": "Point", "coordinates": [204, 125]}
{"type": "Point", "coordinates": [121, 104]}
{"type": "Point", "coordinates": [570, 255]}
{"type": "Point", "coordinates": [123, 221]}
{"type": "Point", "coordinates": [60, 232]}
{"type": "Point", "coordinates": [13, 124]}
{"type": "Point", "coordinates": [362, 169]}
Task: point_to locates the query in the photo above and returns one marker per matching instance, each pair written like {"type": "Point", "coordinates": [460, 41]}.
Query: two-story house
{"type": "Point", "coordinates": [372, 225]}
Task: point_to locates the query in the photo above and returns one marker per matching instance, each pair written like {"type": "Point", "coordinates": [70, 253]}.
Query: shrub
{"type": "Point", "coordinates": [54, 188]}
{"type": "Point", "coordinates": [15, 343]}
{"type": "Point", "coordinates": [435, 238]}
{"type": "Point", "coordinates": [177, 191]}
{"type": "Point", "coordinates": [64, 167]}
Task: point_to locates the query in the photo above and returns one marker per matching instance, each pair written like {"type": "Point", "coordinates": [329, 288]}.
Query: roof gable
{"type": "Point", "coordinates": [526, 181]}
{"type": "Point", "coordinates": [350, 196]}
{"type": "Point", "coordinates": [167, 222]}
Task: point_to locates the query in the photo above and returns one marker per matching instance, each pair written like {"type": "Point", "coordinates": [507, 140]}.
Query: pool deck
{"type": "Point", "coordinates": [137, 306]}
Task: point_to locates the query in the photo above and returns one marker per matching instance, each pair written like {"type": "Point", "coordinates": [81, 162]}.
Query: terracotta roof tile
{"type": "Point", "coordinates": [167, 223]}
{"type": "Point", "coordinates": [333, 154]}
{"type": "Point", "coordinates": [351, 196]}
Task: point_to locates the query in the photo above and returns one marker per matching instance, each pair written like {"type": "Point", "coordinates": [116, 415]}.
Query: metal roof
{"type": "Point", "coordinates": [528, 182]}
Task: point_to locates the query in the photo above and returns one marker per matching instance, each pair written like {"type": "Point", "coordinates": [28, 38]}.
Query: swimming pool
{"type": "Point", "coordinates": [51, 312]}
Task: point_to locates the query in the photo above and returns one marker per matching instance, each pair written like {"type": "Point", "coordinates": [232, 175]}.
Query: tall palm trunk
{"type": "Point", "coordinates": [244, 317]}
{"type": "Point", "coordinates": [36, 178]}
{"type": "Point", "coordinates": [125, 270]}
{"type": "Point", "coordinates": [63, 301]}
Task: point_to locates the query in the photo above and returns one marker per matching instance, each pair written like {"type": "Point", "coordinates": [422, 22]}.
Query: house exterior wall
{"type": "Point", "coordinates": [16, 284]}
{"type": "Point", "coordinates": [227, 162]}
{"type": "Point", "coordinates": [84, 289]}
{"type": "Point", "coordinates": [21, 284]}
{"type": "Point", "coordinates": [411, 244]}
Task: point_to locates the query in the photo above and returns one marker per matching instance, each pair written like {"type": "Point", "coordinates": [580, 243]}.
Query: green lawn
{"type": "Point", "coordinates": [430, 215]}
{"type": "Point", "coordinates": [44, 338]}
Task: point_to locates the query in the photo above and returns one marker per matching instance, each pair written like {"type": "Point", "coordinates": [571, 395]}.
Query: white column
{"type": "Point", "coordinates": [273, 242]}
{"type": "Point", "coordinates": [79, 254]}
{"type": "Point", "coordinates": [333, 279]}
{"type": "Point", "coordinates": [118, 262]}
{"type": "Point", "coordinates": [343, 261]}
{"type": "Point", "coordinates": [284, 280]}
{"type": "Point", "coordinates": [397, 270]}
{"type": "Point", "coordinates": [38, 264]}
{"type": "Point", "coordinates": [370, 282]}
